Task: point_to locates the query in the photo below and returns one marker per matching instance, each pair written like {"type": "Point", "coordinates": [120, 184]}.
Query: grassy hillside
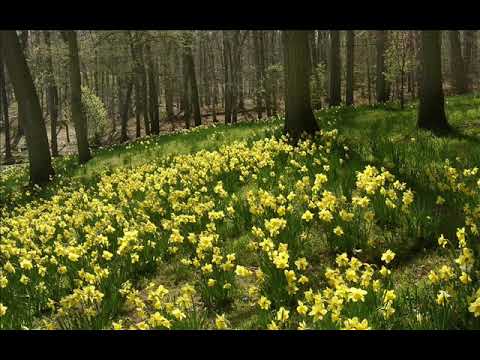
{"type": "Point", "coordinates": [373, 224]}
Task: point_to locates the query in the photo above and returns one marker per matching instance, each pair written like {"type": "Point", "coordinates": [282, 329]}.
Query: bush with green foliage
{"type": "Point", "coordinates": [95, 115]}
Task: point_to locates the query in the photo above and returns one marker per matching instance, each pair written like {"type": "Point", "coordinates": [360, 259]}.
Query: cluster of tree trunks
{"type": "Point", "coordinates": [33, 125]}
{"type": "Point", "coordinates": [189, 71]}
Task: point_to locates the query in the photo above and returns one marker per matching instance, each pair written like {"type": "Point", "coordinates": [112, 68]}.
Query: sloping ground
{"type": "Point", "coordinates": [247, 236]}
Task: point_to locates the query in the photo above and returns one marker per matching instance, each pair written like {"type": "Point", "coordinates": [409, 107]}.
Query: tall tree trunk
{"type": "Point", "coordinates": [431, 111]}
{"type": "Point", "coordinates": [368, 73]}
{"type": "Point", "coordinates": [153, 92]}
{"type": "Point", "coordinates": [4, 110]}
{"type": "Point", "coordinates": [214, 83]}
{"type": "Point", "coordinates": [52, 95]}
{"type": "Point", "coordinates": [458, 70]}
{"type": "Point", "coordinates": [228, 80]}
{"type": "Point", "coordinates": [35, 132]}
{"type": "Point", "coordinates": [381, 81]}
{"type": "Point", "coordinates": [144, 91]}
{"type": "Point", "coordinates": [138, 111]}
{"type": "Point", "coordinates": [125, 106]}
{"type": "Point", "coordinates": [187, 89]}
{"type": "Point", "coordinates": [234, 68]}
{"type": "Point", "coordinates": [168, 81]}
{"type": "Point", "coordinates": [468, 57]}
{"type": "Point", "coordinates": [265, 83]}
{"type": "Point", "coordinates": [258, 73]}
{"type": "Point", "coordinates": [137, 70]}
{"type": "Point", "coordinates": [78, 118]}
{"type": "Point", "coordinates": [335, 72]}
{"type": "Point", "coordinates": [350, 67]}
{"type": "Point", "coordinates": [273, 81]}
{"type": "Point", "coordinates": [299, 115]}
{"type": "Point", "coordinates": [195, 102]}
{"type": "Point", "coordinates": [20, 112]}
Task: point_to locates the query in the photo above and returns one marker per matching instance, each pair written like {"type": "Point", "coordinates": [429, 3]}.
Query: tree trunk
{"type": "Point", "coordinates": [431, 111]}
{"type": "Point", "coordinates": [153, 93]}
{"type": "Point", "coordinates": [368, 73]}
{"type": "Point", "coordinates": [350, 66]}
{"type": "Point", "coordinates": [273, 80]}
{"type": "Point", "coordinates": [265, 83]}
{"type": "Point", "coordinates": [469, 58]}
{"type": "Point", "coordinates": [335, 74]}
{"type": "Point", "coordinates": [125, 109]}
{"type": "Point", "coordinates": [197, 118]}
{"type": "Point", "coordinates": [76, 98]}
{"type": "Point", "coordinates": [4, 109]}
{"type": "Point", "coordinates": [214, 83]}
{"type": "Point", "coordinates": [228, 80]}
{"type": "Point", "coordinates": [381, 82]}
{"type": "Point", "coordinates": [35, 132]}
{"type": "Point", "coordinates": [258, 73]}
{"type": "Point", "coordinates": [168, 82]}
{"type": "Point", "coordinates": [187, 89]}
{"type": "Point", "coordinates": [299, 115]}
{"type": "Point", "coordinates": [20, 112]}
{"type": "Point", "coordinates": [52, 95]}
{"type": "Point", "coordinates": [458, 70]}
{"type": "Point", "coordinates": [144, 91]}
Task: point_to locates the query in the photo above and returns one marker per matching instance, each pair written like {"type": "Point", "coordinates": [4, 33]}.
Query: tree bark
{"type": "Point", "coordinates": [335, 74]}
{"type": "Point", "coordinates": [195, 102]}
{"type": "Point", "coordinates": [258, 73]}
{"type": "Point", "coordinates": [431, 111]}
{"type": "Point", "coordinates": [78, 118]}
{"type": "Point", "coordinates": [4, 110]}
{"type": "Point", "coordinates": [458, 70]}
{"type": "Point", "coordinates": [52, 95]}
{"type": "Point", "coordinates": [350, 67]}
{"type": "Point", "coordinates": [265, 83]}
{"type": "Point", "coordinates": [228, 81]}
{"type": "Point", "coordinates": [299, 115]}
{"type": "Point", "coordinates": [125, 108]}
{"type": "Point", "coordinates": [35, 132]}
{"type": "Point", "coordinates": [382, 90]}
{"type": "Point", "coordinates": [468, 56]}
{"type": "Point", "coordinates": [153, 92]}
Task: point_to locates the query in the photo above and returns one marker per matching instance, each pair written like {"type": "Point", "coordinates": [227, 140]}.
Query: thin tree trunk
{"type": "Point", "coordinates": [187, 89]}
{"type": "Point", "coordinates": [153, 93]}
{"type": "Point", "coordinates": [125, 109]}
{"type": "Point", "coordinates": [335, 72]}
{"type": "Point", "coordinates": [197, 118]}
{"type": "Point", "coordinates": [4, 109]}
{"type": "Point", "coordinates": [367, 64]}
{"type": "Point", "coordinates": [381, 82]}
{"type": "Point", "coordinates": [52, 94]}
{"type": "Point", "coordinates": [228, 80]}
{"type": "Point", "coordinates": [350, 67]}
{"type": "Point", "coordinates": [20, 113]}
{"type": "Point", "coordinates": [258, 73]}
{"type": "Point", "coordinates": [265, 83]}
{"type": "Point", "coordinates": [78, 118]}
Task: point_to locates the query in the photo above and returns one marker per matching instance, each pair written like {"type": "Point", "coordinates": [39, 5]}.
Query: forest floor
{"type": "Point", "coordinates": [239, 186]}
{"type": "Point", "coordinates": [67, 144]}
